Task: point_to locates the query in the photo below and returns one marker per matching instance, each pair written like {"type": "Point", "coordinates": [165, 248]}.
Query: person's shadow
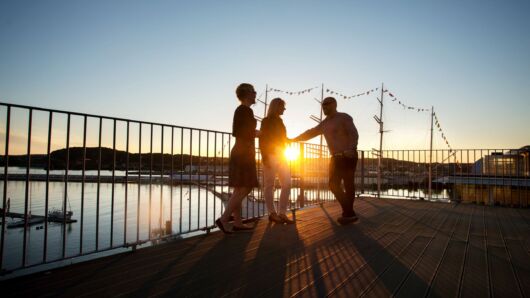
{"type": "Point", "coordinates": [268, 271]}
{"type": "Point", "coordinates": [369, 249]}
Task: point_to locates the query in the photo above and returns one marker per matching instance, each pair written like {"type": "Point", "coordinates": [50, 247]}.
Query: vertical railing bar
{"type": "Point", "coordinates": [405, 190]}
{"type": "Point", "coordinates": [434, 171]}
{"type": "Point", "coordinates": [181, 175]}
{"type": "Point", "coordinates": [409, 162]}
{"type": "Point", "coordinates": [6, 165]}
{"type": "Point", "coordinates": [99, 182]}
{"type": "Point", "coordinates": [494, 172]}
{"type": "Point", "coordinates": [83, 187]}
{"type": "Point", "coordinates": [462, 169]}
{"type": "Point", "coordinates": [393, 188]}
{"type": "Point", "coordinates": [189, 182]}
{"type": "Point", "coordinates": [468, 168]}
{"type": "Point", "coordinates": [222, 163]}
{"type": "Point", "coordinates": [139, 182]}
{"type": "Point", "coordinates": [171, 178]}
{"type": "Point", "coordinates": [215, 174]}
{"type": "Point", "coordinates": [126, 184]}
{"type": "Point", "coordinates": [207, 176]}
{"type": "Point", "coordinates": [256, 202]}
{"type": "Point", "coordinates": [426, 168]}
{"type": "Point", "coordinates": [47, 194]}
{"type": "Point", "coordinates": [161, 176]}
{"type": "Point", "coordinates": [150, 178]}
{"type": "Point", "coordinates": [475, 176]}
{"type": "Point", "coordinates": [26, 195]}
{"type": "Point", "coordinates": [482, 171]}
{"type": "Point", "coordinates": [199, 183]}
{"type": "Point", "coordinates": [113, 184]}
{"type": "Point", "coordinates": [65, 201]}
{"type": "Point", "coordinates": [401, 191]}
{"type": "Point", "coordinates": [248, 202]}
{"type": "Point", "coordinates": [362, 172]}
{"type": "Point", "coordinates": [222, 166]}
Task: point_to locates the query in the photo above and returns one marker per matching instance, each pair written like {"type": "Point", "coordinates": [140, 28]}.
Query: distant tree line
{"type": "Point", "coordinates": [111, 159]}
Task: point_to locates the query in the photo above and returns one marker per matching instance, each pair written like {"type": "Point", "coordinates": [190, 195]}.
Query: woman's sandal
{"type": "Point", "coordinates": [286, 219]}
{"type": "Point", "coordinates": [242, 228]}
{"type": "Point", "coordinates": [273, 216]}
{"type": "Point", "coordinates": [219, 224]}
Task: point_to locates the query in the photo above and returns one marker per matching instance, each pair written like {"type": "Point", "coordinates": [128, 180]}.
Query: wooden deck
{"type": "Point", "coordinates": [402, 248]}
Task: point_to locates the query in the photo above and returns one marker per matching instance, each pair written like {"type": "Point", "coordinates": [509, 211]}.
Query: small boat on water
{"type": "Point", "coordinates": [59, 215]}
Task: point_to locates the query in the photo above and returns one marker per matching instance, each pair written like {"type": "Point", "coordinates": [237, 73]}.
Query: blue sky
{"type": "Point", "coordinates": [178, 62]}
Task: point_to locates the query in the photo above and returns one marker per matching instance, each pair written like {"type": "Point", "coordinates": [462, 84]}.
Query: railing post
{"type": "Point", "coordinates": [301, 196]}
{"type": "Point", "coordinates": [362, 172]}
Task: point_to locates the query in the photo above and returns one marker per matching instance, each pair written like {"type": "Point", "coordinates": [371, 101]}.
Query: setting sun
{"type": "Point", "coordinates": [291, 153]}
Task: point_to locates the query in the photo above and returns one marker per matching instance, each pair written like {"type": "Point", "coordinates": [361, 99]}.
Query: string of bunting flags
{"type": "Point", "coordinates": [437, 123]}
{"type": "Point", "coordinates": [401, 103]}
{"type": "Point", "coordinates": [293, 92]}
{"type": "Point", "coordinates": [392, 95]}
{"type": "Point", "coordinates": [340, 95]}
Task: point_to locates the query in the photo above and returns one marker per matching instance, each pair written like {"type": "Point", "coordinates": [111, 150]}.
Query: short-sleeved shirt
{"type": "Point", "coordinates": [242, 164]}
{"type": "Point", "coordinates": [244, 124]}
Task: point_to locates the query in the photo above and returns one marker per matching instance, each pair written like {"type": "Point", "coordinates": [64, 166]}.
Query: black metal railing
{"type": "Point", "coordinates": [76, 184]}
{"type": "Point", "coordinates": [484, 176]}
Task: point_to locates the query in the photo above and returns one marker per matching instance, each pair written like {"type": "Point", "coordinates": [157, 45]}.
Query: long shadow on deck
{"type": "Point", "coordinates": [355, 280]}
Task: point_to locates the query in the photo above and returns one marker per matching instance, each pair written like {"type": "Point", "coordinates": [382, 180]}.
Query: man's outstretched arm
{"type": "Point", "coordinates": [309, 134]}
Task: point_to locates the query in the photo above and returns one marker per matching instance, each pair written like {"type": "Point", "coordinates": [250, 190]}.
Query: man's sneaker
{"type": "Point", "coordinates": [344, 220]}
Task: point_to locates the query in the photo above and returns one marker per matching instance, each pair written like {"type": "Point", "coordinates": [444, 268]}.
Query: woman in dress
{"type": "Point", "coordinates": [242, 166]}
{"type": "Point", "coordinates": [272, 142]}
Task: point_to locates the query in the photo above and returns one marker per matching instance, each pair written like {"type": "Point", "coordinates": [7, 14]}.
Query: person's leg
{"type": "Point", "coordinates": [235, 202]}
{"type": "Point", "coordinates": [236, 212]}
{"type": "Point", "coordinates": [269, 175]}
{"type": "Point", "coordinates": [348, 176]}
{"type": "Point", "coordinates": [284, 174]}
{"type": "Point", "coordinates": [335, 179]}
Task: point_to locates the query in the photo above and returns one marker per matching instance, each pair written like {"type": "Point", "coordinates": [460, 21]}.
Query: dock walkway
{"type": "Point", "coordinates": [399, 247]}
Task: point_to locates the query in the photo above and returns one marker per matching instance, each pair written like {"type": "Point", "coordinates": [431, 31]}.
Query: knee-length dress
{"type": "Point", "coordinates": [242, 165]}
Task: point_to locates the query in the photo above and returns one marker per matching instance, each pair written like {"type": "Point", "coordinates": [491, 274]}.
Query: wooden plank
{"type": "Point", "coordinates": [474, 278]}
{"type": "Point", "coordinates": [503, 281]}
{"type": "Point", "coordinates": [367, 275]}
{"type": "Point", "coordinates": [417, 284]}
{"type": "Point", "coordinates": [447, 280]}
{"type": "Point", "coordinates": [521, 263]}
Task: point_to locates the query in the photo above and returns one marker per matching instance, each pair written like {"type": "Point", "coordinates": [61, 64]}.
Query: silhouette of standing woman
{"type": "Point", "coordinates": [272, 142]}
{"type": "Point", "coordinates": [242, 172]}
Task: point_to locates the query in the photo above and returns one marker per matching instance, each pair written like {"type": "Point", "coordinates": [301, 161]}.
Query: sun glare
{"type": "Point", "coordinates": [291, 154]}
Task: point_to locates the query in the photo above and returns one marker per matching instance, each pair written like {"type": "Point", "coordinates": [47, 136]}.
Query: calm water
{"type": "Point", "coordinates": [188, 208]}
{"type": "Point", "coordinates": [152, 208]}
